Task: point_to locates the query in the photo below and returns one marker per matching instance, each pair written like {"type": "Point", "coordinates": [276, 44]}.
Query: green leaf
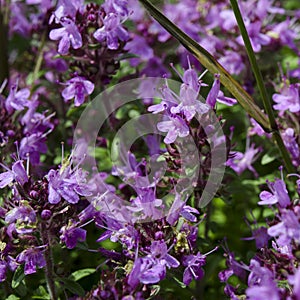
{"type": "Point", "coordinates": [77, 275]}
{"type": "Point", "coordinates": [269, 156]}
{"type": "Point", "coordinates": [41, 293]}
{"type": "Point", "coordinates": [127, 56]}
{"type": "Point", "coordinates": [182, 285]}
{"type": "Point", "coordinates": [154, 291]}
{"type": "Point", "coordinates": [12, 297]}
{"type": "Point", "coordinates": [211, 64]}
{"type": "Point", "coordinates": [18, 277]}
{"type": "Point", "coordinates": [21, 289]}
{"type": "Point", "coordinates": [72, 286]}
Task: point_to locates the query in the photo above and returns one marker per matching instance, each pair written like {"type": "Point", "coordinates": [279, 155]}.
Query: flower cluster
{"type": "Point", "coordinates": [273, 271]}
{"type": "Point", "coordinates": [144, 229]}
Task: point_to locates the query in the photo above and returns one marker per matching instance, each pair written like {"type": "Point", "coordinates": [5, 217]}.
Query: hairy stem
{"type": "Point", "coordinates": [49, 273]}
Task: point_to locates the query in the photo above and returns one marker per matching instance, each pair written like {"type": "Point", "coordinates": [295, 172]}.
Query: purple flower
{"type": "Point", "coordinates": [190, 78]}
{"type": "Point", "coordinates": [68, 9]}
{"type": "Point", "coordinates": [68, 35]}
{"type": "Point", "coordinates": [232, 61]}
{"type": "Point", "coordinates": [260, 236]}
{"type": "Point", "coordinates": [268, 291]}
{"type": "Point", "coordinates": [286, 230]}
{"type": "Point", "coordinates": [54, 63]}
{"type": "Point", "coordinates": [211, 98]}
{"type": "Point", "coordinates": [152, 268]}
{"type": "Point", "coordinates": [127, 236]}
{"type": "Point", "coordinates": [147, 271]}
{"type": "Point", "coordinates": [17, 173]}
{"type": "Point", "coordinates": [33, 145]}
{"type": "Point", "coordinates": [18, 22]}
{"type": "Point", "coordinates": [179, 208]}
{"type": "Point", "coordinates": [284, 34]}
{"type": "Point", "coordinates": [24, 218]}
{"type": "Point", "coordinates": [70, 235]}
{"type": "Point", "coordinates": [111, 32]}
{"type": "Point", "coordinates": [227, 19]}
{"type": "Point", "coordinates": [189, 90]}
{"type": "Point", "coordinates": [33, 258]}
{"type": "Point", "coordinates": [133, 171]}
{"type": "Point", "coordinates": [6, 262]}
{"type": "Point", "coordinates": [295, 281]}
{"type": "Point", "coordinates": [290, 141]}
{"type": "Point", "coordinates": [234, 267]}
{"type": "Point", "coordinates": [225, 100]}
{"type": "Point", "coordinates": [66, 184]}
{"type": "Point", "coordinates": [193, 264]}
{"type": "Point", "coordinates": [167, 103]}
{"type": "Point", "coordinates": [215, 94]}
{"type": "Point", "coordinates": [175, 127]}
{"type": "Point", "coordinates": [259, 274]}
{"type": "Point", "coordinates": [77, 87]}
{"type": "Point", "coordinates": [3, 268]}
{"type": "Point", "coordinates": [159, 250]}
{"type": "Point", "coordinates": [288, 98]}
{"type": "Point", "coordinates": [147, 204]}
{"type": "Point", "coordinates": [32, 120]}
{"type": "Point", "coordinates": [261, 283]}
{"type": "Point", "coordinates": [184, 15]}
{"type": "Point", "coordinates": [139, 46]}
{"type": "Point", "coordinates": [155, 68]}
{"type": "Point", "coordinates": [257, 130]}
{"type": "Point", "coordinates": [116, 6]}
{"type": "Point", "coordinates": [279, 194]}
{"type": "Point", "coordinates": [189, 105]}
{"type": "Point", "coordinates": [17, 100]}
{"type": "Point", "coordinates": [242, 161]}
{"type": "Point", "coordinates": [257, 38]}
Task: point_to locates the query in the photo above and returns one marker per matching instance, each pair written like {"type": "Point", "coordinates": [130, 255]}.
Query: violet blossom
{"type": "Point", "coordinates": [68, 35]}
{"type": "Point", "coordinates": [111, 32]}
{"type": "Point", "coordinates": [287, 229]}
{"type": "Point", "coordinates": [17, 99]}
{"type": "Point", "coordinates": [23, 217]}
{"type": "Point", "coordinates": [261, 283]}
{"type": "Point", "coordinates": [279, 194]}
{"type": "Point", "coordinates": [257, 38]}
{"type": "Point", "coordinates": [288, 98]}
{"type": "Point", "coordinates": [32, 258]}
{"type": "Point", "coordinates": [174, 127]}
{"type": "Point", "coordinates": [70, 235]}
{"type": "Point", "coordinates": [17, 173]}
{"type": "Point", "coordinates": [68, 184]}
{"type": "Point", "coordinates": [290, 141]}
{"type": "Point", "coordinates": [242, 161]}
{"type": "Point", "coordinates": [78, 88]}
{"type": "Point", "coordinates": [193, 270]}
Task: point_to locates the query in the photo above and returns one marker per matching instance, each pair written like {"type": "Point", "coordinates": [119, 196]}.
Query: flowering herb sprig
{"type": "Point", "coordinates": [129, 230]}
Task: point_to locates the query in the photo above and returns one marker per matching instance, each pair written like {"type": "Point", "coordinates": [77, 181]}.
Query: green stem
{"type": "Point", "coordinates": [260, 83]}
{"type": "Point", "coordinates": [49, 273]}
{"type": "Point", "coordinates": [39, 58]}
